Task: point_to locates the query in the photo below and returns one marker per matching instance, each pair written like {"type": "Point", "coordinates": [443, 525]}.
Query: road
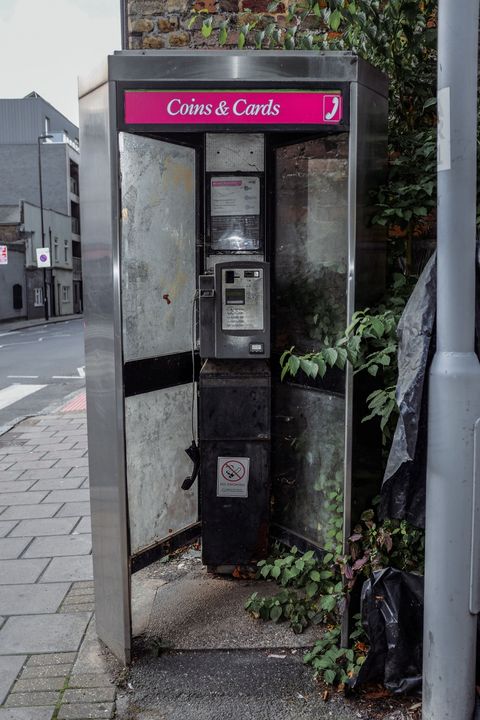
{"type": "Point", "coordinates": [39, 366]}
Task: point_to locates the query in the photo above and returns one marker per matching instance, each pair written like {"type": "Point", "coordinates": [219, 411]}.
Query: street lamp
{"type": "Point", "coordinates": [40, 139]}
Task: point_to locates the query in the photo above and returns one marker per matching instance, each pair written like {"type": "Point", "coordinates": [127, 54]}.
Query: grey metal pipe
{"type": "Point", "coordinates": [454, 387]}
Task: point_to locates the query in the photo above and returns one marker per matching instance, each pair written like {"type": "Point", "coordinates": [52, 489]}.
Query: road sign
{"type": "Point", "coordinates": [232, 476]}
{"type": "Point", "coordinates": [3, 255]}
{"type": "Point", "coordinates": [43, 257]}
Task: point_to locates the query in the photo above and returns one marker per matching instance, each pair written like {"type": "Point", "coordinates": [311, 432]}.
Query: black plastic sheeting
{"type": "Point", "coordinates": [403, 488]}
{"type": "Point", "coordinates": [392, 617]}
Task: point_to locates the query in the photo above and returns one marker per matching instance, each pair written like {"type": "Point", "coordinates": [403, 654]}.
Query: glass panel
{"type": "Point", "coordinates": [158, 246]}
{"type": "Point", "coordinates": [311, 252]}
{"type": "Point", "coordinates": [307, 458]}
{"type": "Point", "coordinates": [310, 266]}
{"type": "Point", "coordinates": [158, 428]}
{"type": "Point", "coordinates": [158, 287]}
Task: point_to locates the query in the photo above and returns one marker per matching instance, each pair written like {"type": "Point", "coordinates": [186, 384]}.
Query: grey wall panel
{"type": "Point", "coordinates": [104, 371]}
{"type": "Point", "coordinates": [158, 428]}
{"type": "Point", "coordinates": [19, 176]}
{"type": "Point", "coordinates": [22, 120]}
{"type": "Point", "coordinates": [158, 246]}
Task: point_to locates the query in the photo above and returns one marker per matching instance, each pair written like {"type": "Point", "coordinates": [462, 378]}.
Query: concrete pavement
{"type": "Point", "coordinates": [50, 663]}
{"type": "Point", "coordinates": [10, 326]}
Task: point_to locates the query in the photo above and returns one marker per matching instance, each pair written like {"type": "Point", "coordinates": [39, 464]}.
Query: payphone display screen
{"type": "Point", "coordinates": [235, 213]}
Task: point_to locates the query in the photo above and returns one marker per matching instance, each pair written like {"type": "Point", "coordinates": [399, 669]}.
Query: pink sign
{"type": "Point", "coordinates": [222, 107]}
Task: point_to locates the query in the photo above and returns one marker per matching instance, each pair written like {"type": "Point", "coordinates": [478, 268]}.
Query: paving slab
{"type": "Point", "coordinates": [31, 699]}
{"type": "Point", "coordinates": [58, 658]}
{"type": "Point", "coordinates": [69, 569]}
{"type": "Point", "coordinates": [72, 462]}
{"type": "Point", "coordinates": [84, 526]}
{"type": "Point", "coordinates": [69, 483]}
{"type": "Point", "coordinates": [44, 526]}
{"type": "Point", "coordinates": [39, 671]}
{"type": "Point", "coordinates": [78, 472]}
{"type": "Point", "coordinates": [16, 485]}
{"type": "Point", "coordinates": [27, 713]}
{"type": "Point", "coordinates": [6, 526]}
{"type": "Point", "coordinates": [64, 496]}
{"type": "Point", "coordinates": [72, 509]}
{"type": "Point", "coordinates": [89, 695]}
{"type": "Point", "coordinates": [86, 711]}
{"type": "Point", "coordinates": [34, 598]}
{"type": "Point", "coordinates": [59, 545]}
{"type": "Point", "coordinates": [27, 512]}
{"type": "Point", "coordinates": [25, 498]}
{"type": "Point", "coordinates": [10, 666]}
{"type": "Point", "coordinates": [18, 572]}
{"type": "Point", "coordinates": [43, 633]}
{"type": "Point", "coordinates": [33, 464]}
{"type": "Point", "coordinates": [45, 474]}
{"type": "Point", "coordinates": [10, 476]}
{"type": "Point", "coordinates": [11, 548]}
{"type": "Point", "coordinates": [39, 684]}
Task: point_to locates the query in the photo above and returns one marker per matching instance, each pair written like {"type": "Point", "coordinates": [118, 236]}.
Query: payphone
{"type": "Point", "coordinates": [234, 346]}
{"type": "Point", "coordinates": [235, 311]}
{"type": "Point", "coordinates": [226, 199]}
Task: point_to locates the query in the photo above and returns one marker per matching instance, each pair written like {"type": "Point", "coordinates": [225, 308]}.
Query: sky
{"type": "Point", "coordinates": [46, 44]}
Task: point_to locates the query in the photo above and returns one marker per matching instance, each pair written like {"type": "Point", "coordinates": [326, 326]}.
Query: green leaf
{"type": "Point", "coordinates": [335, 20]}
{"type": "Point", "coordinates": [378, 327]}
{"type": "Point", "coordinates": [330, 355]}
{"type": "Point", "coordinates": [309, 368]}
{"type": "Point", "coordinates": [316, 10]}
{"type": "Point", "coordinates": [293, 364]}
{"type": "Point", "coordinates": [265, 571]}
{"type": "Point", "coordinates": [311, 589]}
{"type": "Point", "coordinates": [322, 366]}
{"type": "Point", "coordinates": [207, 27]}
{"type": "Point", "coordinates": [329, 676]}
{"type": "Point", "coordinates": [241, 40]}
{"type": "Point", "coordinates": [275, 572]}
{"type": "Point", "coordinates": [276, 613]}
{"type": "Point", "coordinates": [222, 36]}
{"type": "Point", "coordinates": [315, 575]}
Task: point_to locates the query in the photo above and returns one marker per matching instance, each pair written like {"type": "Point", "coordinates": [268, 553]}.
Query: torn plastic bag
{"type": "Point", "coordinates": [403, 488]}
{"type": "Point", "coordinates": [392, 616]}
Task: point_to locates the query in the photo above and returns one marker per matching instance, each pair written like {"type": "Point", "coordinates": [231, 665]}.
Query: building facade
{"type": "Point", "coordinates": [34, 135]}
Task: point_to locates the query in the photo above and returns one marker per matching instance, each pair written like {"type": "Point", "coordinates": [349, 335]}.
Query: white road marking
{"type": "Point", "coordinates": [66, 377]}
{"type": "Point", "coordinates": [12, 332]}
{"type": "Point", "coordinates": [23, 377]}
{"type": "Point", "coordinates": [14, 393]}
{"type": "Point", "coordinates": [81, 371]}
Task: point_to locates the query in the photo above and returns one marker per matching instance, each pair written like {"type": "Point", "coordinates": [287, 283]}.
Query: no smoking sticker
{"type": "Point", "coordinates": [232, 476]}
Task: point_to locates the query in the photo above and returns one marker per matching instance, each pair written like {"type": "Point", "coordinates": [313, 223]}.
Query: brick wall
{"type": "Point", "coordinates": [160, 24]}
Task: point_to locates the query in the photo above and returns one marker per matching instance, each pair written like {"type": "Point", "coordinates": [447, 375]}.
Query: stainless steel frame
{"type": "Point", "coordinates": [100, 123]}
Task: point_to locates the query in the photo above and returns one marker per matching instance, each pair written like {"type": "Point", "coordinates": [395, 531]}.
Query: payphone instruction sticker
{"type": "Point", "coordinates": [232, 476]}
{"type": "Point", "coordinates": [235, 196]}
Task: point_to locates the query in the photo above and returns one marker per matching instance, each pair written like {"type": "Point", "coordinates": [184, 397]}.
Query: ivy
{"type": "Point", "coordinates": [370, 344]}
{"type": "Point", "coordinates": [315, 589]}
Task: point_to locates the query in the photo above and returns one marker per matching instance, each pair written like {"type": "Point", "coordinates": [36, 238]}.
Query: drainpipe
{"type": "Point", "coordinates": [451, 598]}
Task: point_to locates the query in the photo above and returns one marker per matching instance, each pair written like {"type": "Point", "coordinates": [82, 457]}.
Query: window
{"type": "Point", "coordinates": [47, 125]}
{"type": "Point", "coordinates": [65, 250]}
{"type": "Point", "coordinates": [65, 293]}
{"type": "Point", "coordinates": [38, 300]}
{"type": "Point", "coordinates": [55, 249]}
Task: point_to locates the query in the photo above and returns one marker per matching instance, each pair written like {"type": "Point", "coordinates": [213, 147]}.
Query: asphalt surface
{"type": "Point", "coordinates": [39, 367]}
